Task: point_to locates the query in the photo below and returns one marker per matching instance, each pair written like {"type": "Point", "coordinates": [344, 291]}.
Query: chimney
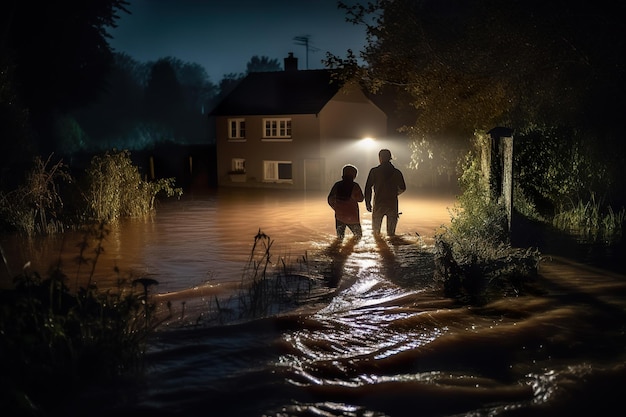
{"type": "Point", "coordinates": [291, 63]}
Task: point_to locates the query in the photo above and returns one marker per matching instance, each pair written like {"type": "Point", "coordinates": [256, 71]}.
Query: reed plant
{"type": "Point", "coordinates": [268, 288]}
{"type": "Point", "coordinates": [590, 222]}
{"type": "Point", "coordinates": [111, 189]}
{"type": "Point", "coordinates": [54, 341]}
{"type": "Point", "coordinates": [36, 206]}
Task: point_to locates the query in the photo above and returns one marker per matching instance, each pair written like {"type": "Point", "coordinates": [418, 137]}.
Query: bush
{"type": "Point", "coordinates": [473, 254]}
{"type": "Point", "coordinates": [115, 188]}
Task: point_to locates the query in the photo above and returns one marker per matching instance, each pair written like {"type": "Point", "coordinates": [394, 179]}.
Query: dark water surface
{"type": "Point", "coordinates": [377, 337]}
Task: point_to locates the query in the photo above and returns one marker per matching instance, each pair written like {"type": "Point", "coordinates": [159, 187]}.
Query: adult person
{"type": "Point", "coordinates": [344, 197]}
{"type": "Point", "coordinates": [387, 182]}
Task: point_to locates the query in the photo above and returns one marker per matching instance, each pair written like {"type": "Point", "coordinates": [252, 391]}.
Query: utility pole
{"type": "Point", "coordinates": [304, 40]}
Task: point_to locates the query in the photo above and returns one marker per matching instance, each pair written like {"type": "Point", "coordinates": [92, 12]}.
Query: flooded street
{"type": "Point", "coordinates": [376, 338]}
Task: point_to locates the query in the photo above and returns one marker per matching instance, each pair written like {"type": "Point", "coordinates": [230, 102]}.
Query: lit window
{"type": "Point", "coordinates": [277, 128]}
{"type": "Point", "coordinates": [236, 129]}
{"type": "Point", "coordinates": [277, 171]}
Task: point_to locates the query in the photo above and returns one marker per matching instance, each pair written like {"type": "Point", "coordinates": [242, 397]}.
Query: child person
{"type": "Point", "coordinates": [344, 198]}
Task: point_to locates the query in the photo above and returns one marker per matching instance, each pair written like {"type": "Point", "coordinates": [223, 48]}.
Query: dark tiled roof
{"type": "Point", "coordinates": [280, 92]}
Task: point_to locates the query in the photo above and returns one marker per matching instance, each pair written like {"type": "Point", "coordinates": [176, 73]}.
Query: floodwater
{"type": "Point", "coordinates": [375, 337]}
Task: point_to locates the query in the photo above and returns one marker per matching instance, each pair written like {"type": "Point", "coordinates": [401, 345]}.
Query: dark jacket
{"type": "Point", "coordinates": [387, 182]}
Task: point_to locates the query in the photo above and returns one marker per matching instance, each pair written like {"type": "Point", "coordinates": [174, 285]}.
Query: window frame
{"type": "Point", "coordinates": [238, 165]}
{"type": "Point", "coordinates": [277, 132]}
{"type": "Point", "coordinates": [239, 128]}
{"type": "Point", "coordinates": [275, 177]}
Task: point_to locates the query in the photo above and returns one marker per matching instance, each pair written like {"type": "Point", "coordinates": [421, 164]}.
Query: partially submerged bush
{"type": "Point", "coordinates": [557, 168]}
{"type": "Point", "coordinates": [115, 188]}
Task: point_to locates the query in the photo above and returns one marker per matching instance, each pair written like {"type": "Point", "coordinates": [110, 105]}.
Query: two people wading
{"type": "Point", "coordinates": [385, 181]}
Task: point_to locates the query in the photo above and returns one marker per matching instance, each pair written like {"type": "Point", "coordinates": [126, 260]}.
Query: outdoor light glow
{"type": "Point", "coordinates": [367, 143]}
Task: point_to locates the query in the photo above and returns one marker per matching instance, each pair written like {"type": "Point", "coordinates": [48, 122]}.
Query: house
{"type": "Point", "coordinates": [293, 129]}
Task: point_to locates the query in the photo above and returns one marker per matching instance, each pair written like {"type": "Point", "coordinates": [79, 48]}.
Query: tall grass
{"type": "Point", "coordinates": [588, 220]}
{"type": "Point", "coordinates": [267, 288]}
{"type": "Point", "coordinates": [55, 341]}
{"type": "Point", "coordinates": [35, 207]}
{"type": "Point", "coordinates": [111, 189]}
{"type": "Point", "coordinates": [115, 188]}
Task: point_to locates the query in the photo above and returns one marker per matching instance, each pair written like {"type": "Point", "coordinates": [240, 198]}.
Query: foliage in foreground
{"type": "Point", "coordinates": [266, 290]}
{"type": "Point", "coordinates": [474, 255]}
{"type": "Point", "coordinates": [267, 287]}
{"type": "Point", "coordinates": [54, 341]}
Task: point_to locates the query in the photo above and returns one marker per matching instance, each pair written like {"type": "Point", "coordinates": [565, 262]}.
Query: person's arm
{"type": "Point", "coordinates": [401, 183]}
{"type": "Point", "coordinates": [368, 190]}
{"type": "Point", "coordinates": [332, 196]}
{"type": "Point", "coordinates": [357, 193]}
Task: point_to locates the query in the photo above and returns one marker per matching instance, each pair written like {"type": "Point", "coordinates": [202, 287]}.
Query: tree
{"type": "Point", "coordinates": [15, 136]}
{"type": "Point", "coordinates": [60, 54]}
{"type": "Point", "coordinates": [262, 64]}
{"type": "Point", "coordinates": [163, 94]}
{"type": "Point", "coordinates": [473, 65]}
{"type": "Point", "coordinates": [477, 64]}
{"type": "Point", "coordinates": [177, 97]}
{"type": "Point", "coordinates": [118, 109]}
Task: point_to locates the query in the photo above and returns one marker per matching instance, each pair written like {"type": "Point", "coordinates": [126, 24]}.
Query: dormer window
{"type": "Point", "coordinates": [236, 128]}
{"type": "Point", "coordinates": [277, 129]}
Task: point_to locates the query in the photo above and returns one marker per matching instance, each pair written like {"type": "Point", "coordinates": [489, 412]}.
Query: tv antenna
{"type": "Point", "coordinates": [304, 40]}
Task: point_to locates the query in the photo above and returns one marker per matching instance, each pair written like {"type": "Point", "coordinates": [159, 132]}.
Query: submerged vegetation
{"type": "Point", "coordinates": [112, 188]}
{"type": "Point", "coordinates": [564, 180]}
{"type": "Point", "coordinates": [589, 221]}
{"type": "Point", "coordinates": [54, 340]}
{"type": "Point", "coordinates": [267, 287]}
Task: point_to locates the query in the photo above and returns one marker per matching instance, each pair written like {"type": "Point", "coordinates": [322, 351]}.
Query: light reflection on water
{"type": "Point", "coordinates": [383, 341]}
{"type": "Point", "coordinates": [206, 239]}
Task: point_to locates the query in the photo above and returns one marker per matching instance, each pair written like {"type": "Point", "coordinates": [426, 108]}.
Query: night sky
{"type": "Point", "coordinates": [222, 35]}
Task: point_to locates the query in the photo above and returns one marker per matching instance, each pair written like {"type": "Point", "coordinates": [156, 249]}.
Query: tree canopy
{"type": "Point", "coordinates": [262, 64]}
{"type": "Point", "coordinates": [59, 51]}
{"type": "Point", "coordinates": [476, 64]}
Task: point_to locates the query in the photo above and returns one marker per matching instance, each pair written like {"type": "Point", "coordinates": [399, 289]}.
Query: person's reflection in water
{"type": "Point", "coordinates": [387, 255]}
{"type": "Point", "coordinates": [338, 255]}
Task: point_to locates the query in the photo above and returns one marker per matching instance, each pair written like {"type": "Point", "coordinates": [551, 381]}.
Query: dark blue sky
{"type": "Point", "coordinates": [222, 35]}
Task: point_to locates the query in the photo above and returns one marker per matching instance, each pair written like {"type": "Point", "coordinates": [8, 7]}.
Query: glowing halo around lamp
{"type": "Point", "coordinates": [367, 142]}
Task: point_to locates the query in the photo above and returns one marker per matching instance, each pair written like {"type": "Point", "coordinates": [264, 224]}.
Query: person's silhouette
{"type": "Point", "coordinates": [344, 197]}
{"type": "Point", "coordinates": [387, 183]}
